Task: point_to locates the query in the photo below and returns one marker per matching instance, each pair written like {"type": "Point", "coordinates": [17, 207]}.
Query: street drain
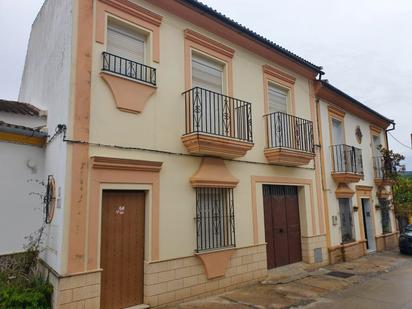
{"type": "Point", "coordinates": [340, 274]}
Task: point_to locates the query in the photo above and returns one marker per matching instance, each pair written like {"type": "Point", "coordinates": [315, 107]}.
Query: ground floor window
{"type": "Point", "coordinates": [386, 221]}
{"type": "Point", "coordinates": [346, 224]}
{"type": "Point", "coordinates": [215, 218]}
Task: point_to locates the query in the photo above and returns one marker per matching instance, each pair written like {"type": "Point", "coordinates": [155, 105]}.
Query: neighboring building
{"type": "Point", "coordinates": [22, 140]}
{"type": "Point", "coordinates": [191, 160]}
{"type": "Point", "coordinates": [360, 217]}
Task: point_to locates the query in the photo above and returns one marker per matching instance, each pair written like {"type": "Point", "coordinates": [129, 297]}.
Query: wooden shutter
{"type": "Point", "coordinates": [126, 43]}
{"type": "Point", "coordinates": [207, 74]}
{"type": "Point", "coordinates": [278, 98]}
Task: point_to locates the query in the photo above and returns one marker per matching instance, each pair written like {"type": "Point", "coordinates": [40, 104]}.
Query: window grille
{"type": "Point", "coordinates": [386, 221]}
{"type": "Point", "coordinates": [215, 219]}
{"type": "Point", "coordinates": [346, 224]}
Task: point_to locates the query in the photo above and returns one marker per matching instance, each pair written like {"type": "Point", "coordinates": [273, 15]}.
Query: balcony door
{"type": "Point", "coordinates": [127, 49]}
{"type": "Point", "coordinates": [211, 114]}
{"type": "Point", "coordinates": [277, 107]}
{"type": "Point", "coordinates": [338, 140]}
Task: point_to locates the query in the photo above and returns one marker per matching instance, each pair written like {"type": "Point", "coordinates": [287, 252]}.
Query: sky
{"type": "Point", "coordinates": [364, 46]}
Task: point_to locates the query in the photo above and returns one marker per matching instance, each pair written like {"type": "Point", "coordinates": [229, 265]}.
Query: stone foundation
{"type": "Point", "coordinates": [74, 291]}
{"type": "Point", "coordinates": [182, 279]}
{"type": "Point", "coordinates": [387, 241]}
{"type": "Point", "coordinates": [347, 252]}
{"type": "Point", "coordinates": [314, 247]}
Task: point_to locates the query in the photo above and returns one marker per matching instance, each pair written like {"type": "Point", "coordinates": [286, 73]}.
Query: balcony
{"type": "Point", "coordinates": [383, 171]}
{"type": "Point", "coordinates": [131, 83]}
{"type": "Point", "coordinates": [289, 139]}
{"type": "Point", "coordinates": [347, 163]}
{"type": "Point", "coordinates": [216, 124]}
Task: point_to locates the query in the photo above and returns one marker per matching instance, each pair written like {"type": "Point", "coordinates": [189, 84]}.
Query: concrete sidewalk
{"type": "Point", "coordinates": [300, 286]}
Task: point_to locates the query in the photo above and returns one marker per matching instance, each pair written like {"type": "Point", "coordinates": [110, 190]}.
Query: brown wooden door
{"type": "Point", "coordinates": [282, 226]}
{"type": "Point", "coordinates": [122, 248]}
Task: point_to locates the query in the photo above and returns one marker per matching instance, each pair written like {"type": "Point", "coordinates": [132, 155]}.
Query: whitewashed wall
{"type": "Point", "coordinates": [20, 204]}
{"type": "Point", "coordinates": [46, 83]}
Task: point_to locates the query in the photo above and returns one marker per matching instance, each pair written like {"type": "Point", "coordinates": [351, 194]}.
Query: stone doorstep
{"type": "Point", "coordinates": [142, 306]}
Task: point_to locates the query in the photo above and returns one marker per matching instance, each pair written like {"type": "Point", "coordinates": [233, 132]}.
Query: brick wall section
{"type": "Point", "coordinates": [349, 252]}
{"type": "Point", "coordinates": [75, 291]}
{"type": "Point", "coordinates": [184, 278]}
{"type": "Point", "coordinates": [308, 246]}
{"type": "Point", "coordinates": [387, 241]}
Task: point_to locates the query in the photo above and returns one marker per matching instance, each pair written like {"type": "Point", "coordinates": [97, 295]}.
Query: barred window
{"type": "Point", "coordinates": [386, 220]}
{"type": "Point", "coordinates": [215, 219]}
{"type": "Point", "coordinates": [346, 225]}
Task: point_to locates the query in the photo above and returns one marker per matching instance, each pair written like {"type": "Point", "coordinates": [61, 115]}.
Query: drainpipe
{"type": "Point", "coordinates": [386, 133]}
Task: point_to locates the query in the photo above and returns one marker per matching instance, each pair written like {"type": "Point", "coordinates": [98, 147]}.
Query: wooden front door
{"type": "Point", "coordinates": [122, 248]}
{"type": "Point", "coordinates": [282, 225]}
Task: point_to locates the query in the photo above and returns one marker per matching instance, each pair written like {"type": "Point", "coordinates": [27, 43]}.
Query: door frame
{"type": "Point", "coordinates": [365, 228]}
{"type": "Point", "coordinates": [284, 196]}
{"type": "Point", "coordinates": [132, 188]}
{"type": "Point", "coordinates": [364, 192]}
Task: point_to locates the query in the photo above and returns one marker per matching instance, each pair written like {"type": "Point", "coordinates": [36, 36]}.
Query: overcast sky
{"type": "Point", "coordinates": [365, 46]}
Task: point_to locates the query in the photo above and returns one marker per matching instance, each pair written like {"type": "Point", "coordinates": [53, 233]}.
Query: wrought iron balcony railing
{"type": "Point", "coordinates": [287, 131]}
{"type": "Point", "coordinates": [347, 159]}
{"type": "Point", "coordinates": [129, 68]}
{"type": "Point", "coordinates": [382, 169]}
{"type": "Point", "coordinates": [217, 114]}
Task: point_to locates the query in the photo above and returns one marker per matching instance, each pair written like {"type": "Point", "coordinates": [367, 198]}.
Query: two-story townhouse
{"type": "Point", "coordinates": [359, 215]}
{"type": "Point", "coordinates": [187, 160]}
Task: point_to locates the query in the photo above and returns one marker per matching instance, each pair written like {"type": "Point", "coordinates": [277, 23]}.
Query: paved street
{"type": "Point", "coordinates": [382, 280]}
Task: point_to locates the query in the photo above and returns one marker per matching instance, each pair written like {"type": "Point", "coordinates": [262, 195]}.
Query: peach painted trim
{"type": "Point", "coordinates": [198, 42]}
{"type": "Point", "coordinates": [213, 173]}
{"type": "Point", "coordinates": [279, 181]}
{"type": "Point", "coordinates": [317, 160]}
{"type": "Point", "coordinates": [121, 171]}
{"type": "Point", "coordinates": [198, 18]}
{"type": "Point", "coordinates": [288, 157]}
{"type": "Point", "coordinates": [215, 263]}
{"type": "Point", "coordinates": [321, 153]}
{"type": "Point", "coordinates": [201, 143]}
{"type": "Point", "coordinates": [131, 13]}
{"type": "Point", "coordinates": [364, 192]}
{"type": "Point", "coordinates": [336, 112]}
{"type": "Point", "coordinates": [283, 80]}
{"type": "Point", "coordinates": [343, 191]}
{"type": "Point", "coordinates": [76, 259]}
{"type": "Point", "coordinates": [375, 129]}
{"type": "Point", "coordinates": [130, 96]}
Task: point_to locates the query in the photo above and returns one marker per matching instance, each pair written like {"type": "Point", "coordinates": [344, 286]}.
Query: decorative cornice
{"type": "Point", "coordinates": [375, 129]}
{"type": "Point", "coordinates": [209, 43]}
{"type": "Point", "coordinates": [125, 164]}
{"type": "Point", "coordinates": [213, 173]}
{"type": "Point", "coordinates": [343, 191]}
{"type": "Point", "coordinates": [336, 112]}
{"type": "Point", "coordinates": [135, 10]}
{"type": "Point", "coordinates": [274, 72]}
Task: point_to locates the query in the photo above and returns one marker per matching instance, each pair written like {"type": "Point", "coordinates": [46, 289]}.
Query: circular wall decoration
{"type": "Point", "coordinates": [358, 134]}
{"type": "Point", "coordinates": [50, 199]}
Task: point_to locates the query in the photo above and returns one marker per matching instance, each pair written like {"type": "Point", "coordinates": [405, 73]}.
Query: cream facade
{"type": "Point", "coordinates": [353, 175]}
{"type": "Point", "coordinates": [191, 159]}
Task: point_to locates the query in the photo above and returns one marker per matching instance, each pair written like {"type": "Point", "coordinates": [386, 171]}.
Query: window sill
{"type": "Point", "coordinates": [129, 95]}
{"type": "Point", "coordinates": [215, 261]}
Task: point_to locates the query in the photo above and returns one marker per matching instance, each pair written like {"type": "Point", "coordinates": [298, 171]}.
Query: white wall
{"type": "Point", "coordinates": [20, 186]}
{"type": "Point", "coordinates": [46, 83]}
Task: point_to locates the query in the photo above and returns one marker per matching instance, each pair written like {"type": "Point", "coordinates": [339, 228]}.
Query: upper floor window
{"type": "Point", "coordinates": [123, 41]}
{"type": "Point", "coordinates": [207, 73]}
{"type": "Point", "coordinates": [277, 99]}
{"type": "Point", "coordinates": [338, 137]}
{"type": "Point", "coordinates": [126, 53]}
{"type": "Point", "coordinates": [376, 142]}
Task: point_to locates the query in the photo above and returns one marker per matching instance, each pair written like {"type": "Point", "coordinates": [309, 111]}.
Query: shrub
{"type": "Point", "coordinates": [29, 293]}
